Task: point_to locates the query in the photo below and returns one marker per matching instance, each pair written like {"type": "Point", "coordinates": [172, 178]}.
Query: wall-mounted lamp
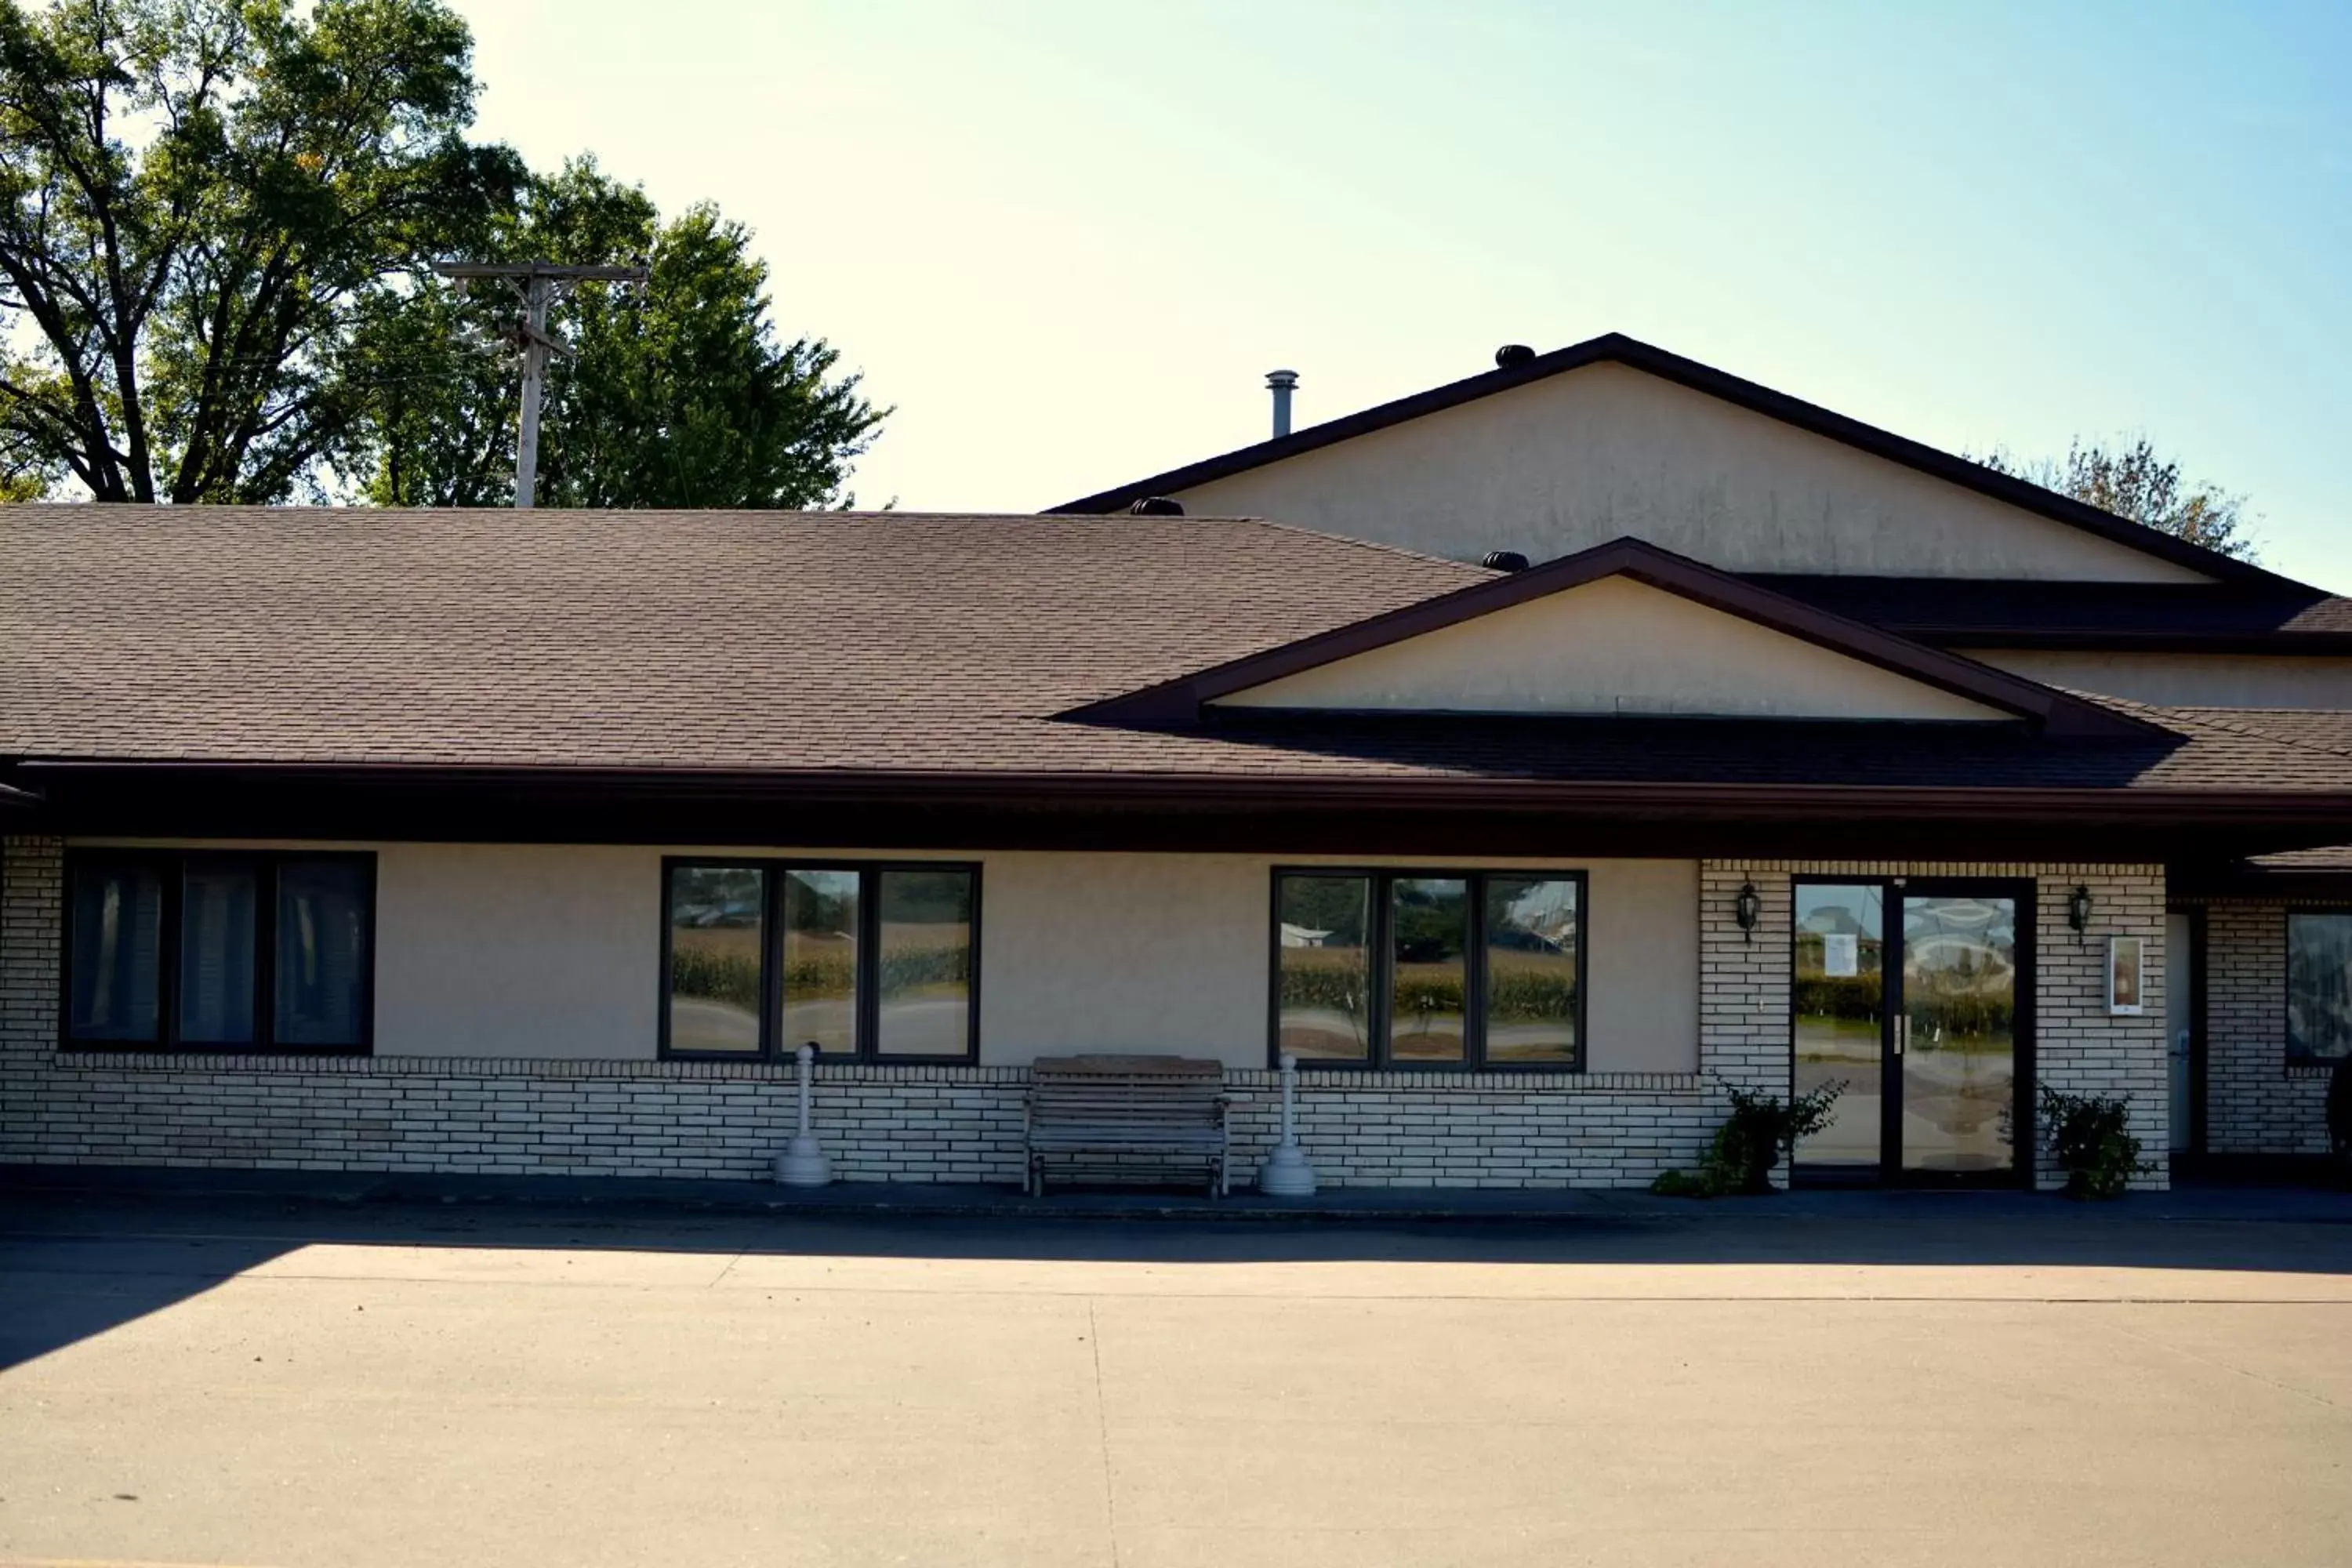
{"type": "Point", "coordinates": [2078, 909]}
{"type": "Point", "coordinates": [1748, 909]}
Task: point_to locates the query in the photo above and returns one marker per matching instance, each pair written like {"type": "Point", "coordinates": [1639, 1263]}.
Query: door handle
{"type": "Point", "coordinates": [1902, 1032]}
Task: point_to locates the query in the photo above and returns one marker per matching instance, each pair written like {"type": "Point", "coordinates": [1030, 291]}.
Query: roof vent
{"type": "Point", "coordinates": [1155, 506]}
{"type": "Point", "coordinates": [1504, 561]}
{"type": "Point", "coordinates": [1282, 384]}
{"type": "Point", "coordinates": [1510, 356]}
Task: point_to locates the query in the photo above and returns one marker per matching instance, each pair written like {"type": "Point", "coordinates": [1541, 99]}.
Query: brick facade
{"type": "Point", "coordinates": [2256, 1102]}
{"type": "Point", "coordinates": [882, 1122]}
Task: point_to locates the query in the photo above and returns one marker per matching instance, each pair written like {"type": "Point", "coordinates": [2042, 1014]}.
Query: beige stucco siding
{"type": "Point", "coordinates": [1583, 457]}
{"type": "Point", "coordinates": [517, 950]}
{"type": "Point", "coordinates": [2188, 680]}
{"type": "Point", "coordinates": [1614, 646]}
{"type": "Point", "coordinates": [553, 950]}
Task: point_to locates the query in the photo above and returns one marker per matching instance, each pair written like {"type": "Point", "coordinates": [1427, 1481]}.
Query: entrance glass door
{"type": "Point", "coordinates": [1955, 1036]}
{"type": "Point", "coordinates": [1912, 997]}
{"type": "Point", "coordinates": [1838, 999]}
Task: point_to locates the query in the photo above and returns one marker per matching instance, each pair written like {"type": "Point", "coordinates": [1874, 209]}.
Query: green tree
{"type": "Point", "coordinates": [200, 203]}
{"type": "Point", "coordinates": [676, 394]}
{"type": "Point", "coordinates": [2132, 481]}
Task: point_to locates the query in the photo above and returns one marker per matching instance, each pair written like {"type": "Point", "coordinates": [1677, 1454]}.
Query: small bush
{"type": "Point", "coordinates": [2090, 1137]}
{"type": "Point", "coordinates": [1750, 1142]}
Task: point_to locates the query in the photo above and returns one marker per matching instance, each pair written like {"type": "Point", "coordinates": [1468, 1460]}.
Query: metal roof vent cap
{"type": "Point", "coordinates": [1510, 356]}
{"type": "Point", "coordinates": [1155, 506]}
{"type": "Point", "coordinates": [1504, 561]}
{"type": "Point", "coordinates": [1282, 384]}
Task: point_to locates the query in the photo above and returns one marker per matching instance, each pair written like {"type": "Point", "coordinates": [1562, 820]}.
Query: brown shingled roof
{"type": "Point", "coordinates": [859, 644]}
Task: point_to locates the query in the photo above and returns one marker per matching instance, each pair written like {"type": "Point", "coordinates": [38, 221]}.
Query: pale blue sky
{"type": "Point", "coordinates": [1066, 240]}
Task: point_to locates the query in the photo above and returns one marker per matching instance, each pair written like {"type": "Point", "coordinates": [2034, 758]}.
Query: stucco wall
{"type": "Point", "coordinates": [1580, 459]}
{"type": "Point", "coordinates": [552, 950]}
{"type": "Point", "coordinates": [1613, 646]}
{"type": "Point", "coordinates": [2187, 680]}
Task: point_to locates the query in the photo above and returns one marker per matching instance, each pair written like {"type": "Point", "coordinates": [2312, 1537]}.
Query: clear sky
{"type": "Point", "coordinates": [1066, 240]}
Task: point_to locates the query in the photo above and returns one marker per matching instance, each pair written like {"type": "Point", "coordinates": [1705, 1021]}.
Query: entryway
{"type": "Point", "coordinates": [1918, 996]}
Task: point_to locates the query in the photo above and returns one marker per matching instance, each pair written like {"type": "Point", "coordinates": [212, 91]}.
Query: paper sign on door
{"type": "Point", "coordinates": [1841, 954]}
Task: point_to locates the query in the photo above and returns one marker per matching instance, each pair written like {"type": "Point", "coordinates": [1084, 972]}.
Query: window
{"type": "Point", "coordinates": [2318, 986]}
{"type": "Point", "coordinates": [860, 961]}
{"type": "Point", "coordinates": [1440, 969]}
{"type": "Point", "coordinates": [220, 950]}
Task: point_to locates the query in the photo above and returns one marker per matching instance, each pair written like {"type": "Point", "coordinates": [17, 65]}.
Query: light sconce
{"type": "Point", "coordinates": [2078, 909]}
{"type": "Point", "coordinates": [1748, 909]}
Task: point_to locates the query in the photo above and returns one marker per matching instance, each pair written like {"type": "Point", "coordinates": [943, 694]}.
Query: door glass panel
{"type": "Point", "coordinates": [1838, 999]}
{"type": "Point", "coordinates": [1429, 936]}
{"type": "Point", "coordinates": [1959, 1057]}
{"type": "Point", "coordinates": [821, 961]}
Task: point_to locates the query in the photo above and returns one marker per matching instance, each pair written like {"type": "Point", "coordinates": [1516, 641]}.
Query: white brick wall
{"type": "Point", "coordinates": [2255, 1103]}
{"type": "Point", "coordinates": [963, 1123]}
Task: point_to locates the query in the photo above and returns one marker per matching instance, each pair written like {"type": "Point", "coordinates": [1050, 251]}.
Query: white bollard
{"type": "Point", "coordinates": [802, 1163]}
{"type": "Point", "coordinates": [1287, 1173]}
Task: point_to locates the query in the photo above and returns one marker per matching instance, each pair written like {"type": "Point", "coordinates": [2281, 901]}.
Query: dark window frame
{"type": "Point", "coordinates": [869, 1003]}
{"type": "Point", "coordinates": [2291, 1056]}
{"type": "Point", "coordinates": [1380, 942]}
{"type": "Point", "coordinates": [170, 866]}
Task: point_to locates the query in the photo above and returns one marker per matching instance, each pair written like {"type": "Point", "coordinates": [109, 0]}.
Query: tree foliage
{"type": "Point", "coordinates": [2133, 481]}
{"type": "Point", "coordinates": [676, 394]}
{"type": "Point", "coordinates": [217, 220]}
{"type": "Point", "coordinates": [198, 201]}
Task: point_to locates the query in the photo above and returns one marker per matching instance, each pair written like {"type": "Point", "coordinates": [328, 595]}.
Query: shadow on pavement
{"type": "Point", "coordinates": [75, 1263]}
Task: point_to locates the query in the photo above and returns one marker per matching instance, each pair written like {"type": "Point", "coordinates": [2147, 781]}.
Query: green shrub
{"type": "Point", "coordinates": [1750, 1142]}
{"type": "Point", "coordinates": [2090, 1137]}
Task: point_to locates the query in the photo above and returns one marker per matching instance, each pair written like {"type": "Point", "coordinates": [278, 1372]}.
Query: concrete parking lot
{"type": "Point", "coordinates": [1888, 1381]}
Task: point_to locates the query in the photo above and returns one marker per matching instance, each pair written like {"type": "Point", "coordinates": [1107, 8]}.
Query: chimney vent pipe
{"type": "Point", "coordinates": [1281, 382]}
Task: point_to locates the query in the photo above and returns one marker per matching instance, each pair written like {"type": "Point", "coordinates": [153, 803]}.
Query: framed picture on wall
{"type": "Point", "coordinates": [2123, 974]}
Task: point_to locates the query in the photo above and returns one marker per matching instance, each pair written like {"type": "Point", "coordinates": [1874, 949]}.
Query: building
{"type": "Point", "coordinates": [536, 842]}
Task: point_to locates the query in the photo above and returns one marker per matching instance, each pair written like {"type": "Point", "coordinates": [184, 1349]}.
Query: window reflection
{"type": "Point", "coordinates": [1428, 945]}
{"type": "Point", "coordinates": [1323, 998]}
{"type": "Point", "coordinates": [820, 960]}
{"type": "Point", "coordinates": [1531, 979]}
{"type": "Point", "coordinates": [718, 954]}
{"type": "Point", "coordinates": [925, 962]}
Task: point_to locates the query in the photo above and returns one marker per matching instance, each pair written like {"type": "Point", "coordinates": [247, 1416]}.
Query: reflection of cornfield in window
{"type": "Point", "coordinates": [1519, 989]}
{"type": "Point", "coordinates": [724, 966]}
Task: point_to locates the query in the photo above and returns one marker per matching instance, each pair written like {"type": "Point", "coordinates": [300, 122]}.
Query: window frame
{"type": "Point", "coordinates": [170, 866]}
{"type": "Point", "coordinates": [2292, 1058]}
{"type": "Point", "coordinates": [1380, 941]}
{"type": "Point", "coordinates": [868, 1004]}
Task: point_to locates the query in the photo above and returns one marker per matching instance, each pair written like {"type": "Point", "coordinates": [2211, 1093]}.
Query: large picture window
{"type": "Point", "coordinates": [2319, 987]}
{"type": "Point", "coordinates": [761, 957]}
{"type": "Point", "coordinates": [1439, 969]}
{"type": "Point", "coordinates": [211, 949]}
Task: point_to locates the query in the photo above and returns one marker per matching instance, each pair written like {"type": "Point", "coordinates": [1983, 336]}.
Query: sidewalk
{"type": "Point", "coordinates": [2193, 1201]}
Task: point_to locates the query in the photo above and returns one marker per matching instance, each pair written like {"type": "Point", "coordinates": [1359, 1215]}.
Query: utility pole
{"type": "Point", "coordinates": [537, 284]}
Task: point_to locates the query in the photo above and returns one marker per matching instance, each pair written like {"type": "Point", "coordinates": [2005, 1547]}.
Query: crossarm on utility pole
{"type": "Point", "coordinates": [539, 283]}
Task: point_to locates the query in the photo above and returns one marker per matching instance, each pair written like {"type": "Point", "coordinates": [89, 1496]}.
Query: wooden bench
{"type": "Point", "coordinates": [1168, 1106]}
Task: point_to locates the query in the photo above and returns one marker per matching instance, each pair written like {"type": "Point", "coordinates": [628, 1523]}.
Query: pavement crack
{"type": "Point", "coordinates": [1102, 1426]}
